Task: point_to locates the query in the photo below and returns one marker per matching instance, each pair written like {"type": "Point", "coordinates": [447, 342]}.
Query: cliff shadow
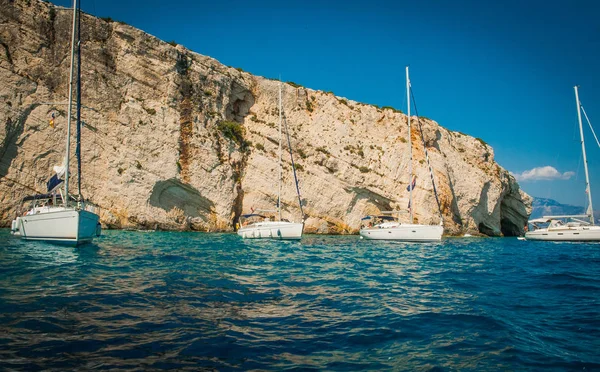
{"type": "Point", "coordinates": [360, 193]}
{"type": "Point", "coordinates": [8, 146]}
{"type": "Point", "coordinates": [172, 193]}
{"type": "Point", "coordinates": [513, 214]}
{"type": "Point", "coordinates": [456, 218]}
{"type": "Point", "coordinates": [483, 225]}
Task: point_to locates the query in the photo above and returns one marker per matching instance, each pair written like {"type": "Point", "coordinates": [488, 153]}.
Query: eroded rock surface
{"type": "Point", "coordinates": [158, 152]}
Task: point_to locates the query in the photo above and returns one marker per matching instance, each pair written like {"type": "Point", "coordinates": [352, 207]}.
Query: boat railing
{"type": "Point", "coordinates": [567, 216]}
{"type": "Point", "coordinates": [395, 212]}
{"type": "Point", "coordinates": [247, 219]}
{"type": "Point", "coordinates": [580, 222]}
{"type": "Point", "coordinates": [384, 216]}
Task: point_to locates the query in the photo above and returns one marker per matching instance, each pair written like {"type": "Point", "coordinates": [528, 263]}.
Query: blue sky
{"type": "Point", "coordinates": [502, 71]}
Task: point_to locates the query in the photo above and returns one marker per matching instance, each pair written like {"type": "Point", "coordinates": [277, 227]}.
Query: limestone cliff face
{"type": "Point", "coordinates": [162, 149]}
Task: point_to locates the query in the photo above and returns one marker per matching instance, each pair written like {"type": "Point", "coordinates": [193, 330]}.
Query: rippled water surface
{"type": "Point", "coordinates": [160, 300]}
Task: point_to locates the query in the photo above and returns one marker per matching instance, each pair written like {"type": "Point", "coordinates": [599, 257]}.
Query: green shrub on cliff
{"type": "Point", "coordinates": [233, 131]}
{"type": "Point", "coordinates": [309, 106]}
{"type": "Point", "coordinates": [182, 64]}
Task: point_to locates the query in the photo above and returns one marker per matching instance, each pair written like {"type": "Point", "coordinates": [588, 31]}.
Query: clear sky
{"type": "Point", "coordinates": [502, 71]}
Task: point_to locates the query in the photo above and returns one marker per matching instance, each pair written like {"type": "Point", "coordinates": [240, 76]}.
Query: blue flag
{"type": "Point", "coordinates": [412, 184]}
{"type": "Point", "coordinates": [53, 183]}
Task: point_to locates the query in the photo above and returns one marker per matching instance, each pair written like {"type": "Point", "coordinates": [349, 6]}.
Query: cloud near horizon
{"type": "Point", "coordinates": [547, 173]}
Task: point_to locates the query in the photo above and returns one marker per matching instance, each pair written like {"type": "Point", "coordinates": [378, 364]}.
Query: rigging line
{"type": "Point", "coordinates": [398, 184]}
{"type": "Point", "coordinates": [34, 119]}
{"type": "Point", "coordinates": [132, 154]}
{"type": "Point", "coordinates": [35, 190]}
{"type": "Point", "coordinates": [99, 139]}
{"type": "Point", "coordinates": [31, 114]}
{"type": "Point", "coordinates": [97, 132]}
{"type": "Point", "coordinates": [274, 197]}
{"type": "Point", "coordinates": [315, 175]}
{"type": "Point", "coordinates": [78, 103]}
{"type": "Point", "coordinates": [36, 177]}
{"type": "Point", "coordinates": [37, 118]}
{"type": "Point", "coordinates": [20, 184]}
{"type": "Point", "coordinates": [426, 154]}
{"type": "Point", "coordinates": [45, 120]}
{"type": "Point", "coordinates": [181, 199]}
{"type": "Point", "coordinates": [352, 164]}
{"type": "Point", "coordinates": [293, 165]}
{"type": "Point", "coordinates": [590, 124]}
{"type": "Point", "coordinates": [95, 203]}
{"type": "Point", "coordinates": [283, 202]}
{"type": "Point", "coordinates": [9, 165]}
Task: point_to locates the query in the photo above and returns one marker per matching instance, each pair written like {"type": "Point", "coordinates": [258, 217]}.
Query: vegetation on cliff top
{"type": "Point", "coordinates": [391, 108]}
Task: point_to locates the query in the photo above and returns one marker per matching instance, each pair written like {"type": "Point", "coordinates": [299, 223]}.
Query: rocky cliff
{"type": "Point", "coordinates": [176, 140]}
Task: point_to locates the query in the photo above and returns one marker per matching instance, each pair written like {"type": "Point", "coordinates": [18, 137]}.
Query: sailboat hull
{"type": "Point", "coordinates": [574, 234]}
{"type": "Point", "coordinates": [404, 232]}
{"type": "Point", "coordinates": [272, 230]}
{"type": "Point", "coordinates": [65, 226]}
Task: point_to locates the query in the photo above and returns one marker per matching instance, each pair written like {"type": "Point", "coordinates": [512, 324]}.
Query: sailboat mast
{"type": "Point", "coordinates": [588, 189]}
{"type": "Point", "coordinates": [70, 106]}
{"type": "Point", "coordinates": [410, 175]}
{"type": "Point", "coordinates": [280, 157]}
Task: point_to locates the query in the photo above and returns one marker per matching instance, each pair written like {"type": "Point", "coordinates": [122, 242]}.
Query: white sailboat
{"type": "Point", "coordinates": [569, 228]}
{"type": "Point", "coordinates": [57, 216]}
{"type": "Point", "coordinates": [388, 226]}
{"type": "Point", "coordinates": [258, 225]}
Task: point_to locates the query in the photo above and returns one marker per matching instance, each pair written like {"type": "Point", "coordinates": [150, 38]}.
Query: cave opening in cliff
{"type": "Point", "coordinates": [172, 193]}
{"type": "Point", "coordinates": [486, 230]}
{"type": "Point", "coordinates": [240, 102]}
{"type": "Point", "coordinates": [509, 228]}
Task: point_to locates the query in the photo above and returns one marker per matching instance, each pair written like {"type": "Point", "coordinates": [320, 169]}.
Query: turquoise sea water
{"type": "Point", "coordinates": [162, 300]}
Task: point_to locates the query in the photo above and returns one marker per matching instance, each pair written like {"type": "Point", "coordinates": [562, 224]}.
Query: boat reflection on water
{"type": "Point", "coordinates": [44, 254]}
